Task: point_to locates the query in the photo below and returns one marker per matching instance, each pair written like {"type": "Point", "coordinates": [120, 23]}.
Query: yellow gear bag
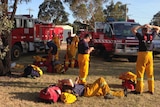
{"type": "Point", "coordinates": [128, 76]}
{"type": "Point", "coordinates": [36, 68]}
{"type": "Point", "coordinates": [68, 98]}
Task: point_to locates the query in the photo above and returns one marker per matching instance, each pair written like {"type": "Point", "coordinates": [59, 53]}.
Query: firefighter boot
{"type": "Point", "coordinates": [108, 96]}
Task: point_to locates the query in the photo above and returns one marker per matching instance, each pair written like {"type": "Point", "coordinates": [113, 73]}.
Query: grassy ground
{"type": "Point", "coordinates": [23, 92]}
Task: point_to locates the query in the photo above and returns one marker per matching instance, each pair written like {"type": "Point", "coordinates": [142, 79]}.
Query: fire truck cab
{"type": "Point", "coordinates": [115, 39]}
{"type": "Point", "coordinates": [29, 34]}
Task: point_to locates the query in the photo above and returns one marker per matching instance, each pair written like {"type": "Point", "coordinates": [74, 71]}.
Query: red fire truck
{"type": "Point", "coordinates": [114, 39]}
{"type": "Point", "coordinates": [29, 34]}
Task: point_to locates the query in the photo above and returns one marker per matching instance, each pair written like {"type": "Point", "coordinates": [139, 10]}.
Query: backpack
{"type": "Point", "coordinates": [128, 76]}
{"type": "Point", "coordinates": [36, 68]}
{"type": "Point", "coordinates": [128, 80]}
{"type": "Point", "coordinates": [32, 71]}
{"type": "Point", "coordinates": [50, 94]}
{"type": "Point", "coordinates": [68, 98]}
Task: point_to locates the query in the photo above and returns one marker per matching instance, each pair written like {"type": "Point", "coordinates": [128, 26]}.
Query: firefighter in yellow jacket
{"type": "Point", "coordinates": [83, 57]}
{"type": "Point", "coordinates": [67, 56]}
{"type": "Point", "coordinates": [145, 56]}
{"type": "Point", "coordinates": [57, 43]}
{"type": "Point", "coordinates": [73, 50]}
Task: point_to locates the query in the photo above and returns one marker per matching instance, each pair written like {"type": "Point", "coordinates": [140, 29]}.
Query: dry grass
{"type": "Point", "coordinates": [23, 92]}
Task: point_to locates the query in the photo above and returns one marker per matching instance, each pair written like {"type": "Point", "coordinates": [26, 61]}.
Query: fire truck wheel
{"type": "Point", "coordinates": [132, 59]}
{"type": "Point", "coordinates": [16, 52]}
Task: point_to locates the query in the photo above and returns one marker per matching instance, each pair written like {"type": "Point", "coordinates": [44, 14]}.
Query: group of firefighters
{"type": "Point", "coordinates": [79, 49]}
{"type": "Point", "coordinates": [71, 51]}
{"type": "Point", "coordinates": [81, 46]}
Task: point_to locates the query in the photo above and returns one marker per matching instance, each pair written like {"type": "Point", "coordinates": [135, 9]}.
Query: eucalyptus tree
{"type": "Point", "coordinates": [117, 10]}
{"type": "Point", "coordinates": [6, 24]}
{"type": "Point", "coordinates": [53, 11]}
{"type": "Point", "coordinates": [87, 11]}
{"type": "Point", "coordinates": [156, 19]}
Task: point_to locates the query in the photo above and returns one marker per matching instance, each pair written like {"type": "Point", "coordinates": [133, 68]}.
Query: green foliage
{"type": "Point", "coordinates": [53, 11]}
{"type": "Point", "coordinates": [5, 24]}
{"type": "Point", "coordinates": [87, 11]}
{"type": "Point", "coordinates": [118, 11]}
{"type": "Point", "coordinates": [156, 19]}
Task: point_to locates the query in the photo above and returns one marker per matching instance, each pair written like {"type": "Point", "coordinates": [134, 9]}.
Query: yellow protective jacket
{"type": "Point", "coordinates": [128, 76]}
{"type": "Point", "coordinates": [74, 46]}
{"type": "Point", "coordinates": [56, 41]}
{"type": "Point", "coordinates": [39, 58]}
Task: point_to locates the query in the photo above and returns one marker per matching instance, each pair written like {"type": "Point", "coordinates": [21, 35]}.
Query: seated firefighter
{"type": "Point", "coordinates": [97, 88]}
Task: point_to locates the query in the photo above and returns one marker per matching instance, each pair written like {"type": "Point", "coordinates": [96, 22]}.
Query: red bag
{"type": "Point", "coordinates": [50, 94]}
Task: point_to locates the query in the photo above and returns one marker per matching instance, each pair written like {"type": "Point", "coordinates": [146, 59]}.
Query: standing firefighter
{"type": "Point", "coordinates": [145, 56]}
{"type": "Point", "coordinates": [72, 46]}
{"type": "Point", "coordinates": [73, 50]}
{"type": "Point", "coordinates": [57, 43]}
{"type": "Point", "coordinates": [83, 58]}
{"type": "Point", "coordinates": [68, 51]}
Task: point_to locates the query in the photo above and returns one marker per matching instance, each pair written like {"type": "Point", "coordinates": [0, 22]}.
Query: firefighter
{"type": "Point", "coordinates": [57, 43]}
{"type": "Point", "coordinates": [73, 50]}
{"type": "Point", "coordinates": [145, 56]}
{"type": "Point", "coordinates": [97, 88]}
{"type": "Point", "coordinates": [67, 56]}
{"type": "Point", "coordinates": [83, 57]}
{"type": "Point", "coordinates": [52, 51]}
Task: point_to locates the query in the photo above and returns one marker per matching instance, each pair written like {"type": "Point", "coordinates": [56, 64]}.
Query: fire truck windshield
{"type": "Point", "coordinates": [123, 30]}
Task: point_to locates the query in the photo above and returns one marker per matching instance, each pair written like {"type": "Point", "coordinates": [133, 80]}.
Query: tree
{"type": "Point", "coordinates": [156, 19]}
{"type": "Point", "coordinates": [53, 10]}
{"type": "Point", "coordinates": [117, 11]}
{"type": "Point", "coordinates": [87, 11]}
{"type": "Point", "coordinates": [6, 24]}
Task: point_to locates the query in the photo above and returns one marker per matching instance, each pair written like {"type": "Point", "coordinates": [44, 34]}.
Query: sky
{"type": "Point", "coordinates": [142, 11]}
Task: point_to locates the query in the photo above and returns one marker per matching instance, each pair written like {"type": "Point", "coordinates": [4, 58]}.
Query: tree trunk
{"type": "Point", "coordinates": [5, 63]}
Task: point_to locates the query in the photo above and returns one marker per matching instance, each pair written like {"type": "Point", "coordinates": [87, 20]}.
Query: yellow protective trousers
{"type": "Point", "coordinates": [100, 88]}
{"type": "Point", "coordinates": [71, 55]}
{"type": "Point", "coordinates": [67, 56]}
{"type": "Point", "coordinates": [67, 62]}
{"type": "Point", "coordinates": [144, 64]}
{"type": "Point", "coordinates": [83, 62]}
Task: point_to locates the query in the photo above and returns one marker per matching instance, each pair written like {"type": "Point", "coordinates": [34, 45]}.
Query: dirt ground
{"type": "Point", "coordinates": [18, 91]}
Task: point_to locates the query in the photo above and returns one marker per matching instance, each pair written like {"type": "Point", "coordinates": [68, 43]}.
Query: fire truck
{"type": "Point", "coordinates": [29, 35]}
{"type": "Point", "coordinates": [114, 39]}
